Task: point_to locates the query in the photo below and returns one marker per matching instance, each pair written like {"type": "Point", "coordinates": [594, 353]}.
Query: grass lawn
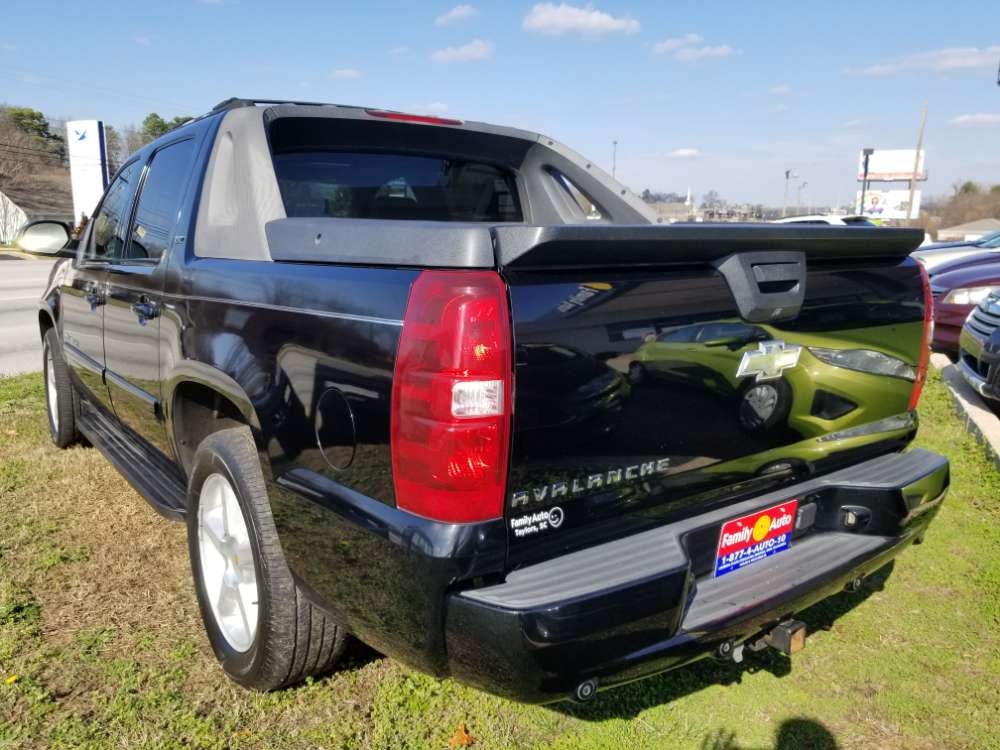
{"type": "Point", "coordinates": [101, 644]}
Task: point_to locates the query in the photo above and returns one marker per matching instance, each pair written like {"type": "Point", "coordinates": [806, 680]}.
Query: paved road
{"type": "Point", "coordinates": [21, 284]}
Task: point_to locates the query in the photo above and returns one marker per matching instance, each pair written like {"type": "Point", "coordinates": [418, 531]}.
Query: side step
{"type": "Point", "coordinates": [153, 476]}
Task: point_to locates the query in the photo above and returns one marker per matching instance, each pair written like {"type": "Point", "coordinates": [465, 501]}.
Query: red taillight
{"type": "Point", "coordinates": [404, 117]}
{"type": "Point", "coordinates": [451, 397]}
{"type": "Point", "coordinates": [925, 344]}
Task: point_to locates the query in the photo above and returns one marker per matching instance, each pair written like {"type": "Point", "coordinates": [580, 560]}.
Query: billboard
{"type": "Point", "coordinates": [88, 164]}
{"type": "Point", "coordinates": [891, 165]}
{"type": "Point", "coordinates": [888, 204]}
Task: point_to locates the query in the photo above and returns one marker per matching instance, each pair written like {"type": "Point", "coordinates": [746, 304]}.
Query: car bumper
{"type": "Point", "coordinates": [979, 367]}
{"type": "Point", "coordinates": [647, 603]}
{"type": "Point", "coordinates": [948, 322]}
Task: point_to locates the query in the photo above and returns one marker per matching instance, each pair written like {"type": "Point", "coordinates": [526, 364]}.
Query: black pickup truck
{"type": "Point", "coordinates": [449, 388]}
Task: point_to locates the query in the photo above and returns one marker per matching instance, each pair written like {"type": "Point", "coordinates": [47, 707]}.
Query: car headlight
{"type": "Point", "coordinates": [865, 360]}
{"type": "Point", "coordinates": [971, 295]}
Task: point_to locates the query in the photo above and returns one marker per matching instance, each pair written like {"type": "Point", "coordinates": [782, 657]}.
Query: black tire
{"type": "Point", "coordinates": [62, 424]}
{"type": "Point", "coordinates": [294, 638]}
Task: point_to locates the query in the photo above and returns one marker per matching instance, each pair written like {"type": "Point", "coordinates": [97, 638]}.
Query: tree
{"type": "Point", "coordinates": [114, 145]}
{"type": "Point", "coordinates": [37, 128]}
{"type": "Point", "coordinates": [711, 199]}
{"type": "Point", "coordinates": [29, 121]}
{"type": "Point", "coordinates": [154, 126]}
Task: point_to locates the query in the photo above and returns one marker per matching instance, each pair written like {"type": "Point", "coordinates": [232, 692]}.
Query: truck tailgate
{"type": "Point", "coordinates": [661, 371]}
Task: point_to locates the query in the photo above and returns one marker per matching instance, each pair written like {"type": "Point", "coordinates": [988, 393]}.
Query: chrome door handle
{"type": "Point", "coordinates": [145, 310]}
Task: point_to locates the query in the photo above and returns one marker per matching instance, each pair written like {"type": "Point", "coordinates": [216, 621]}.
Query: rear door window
{"type": "Point", "coordinates": [367, 185]}
{"type": "Point", "coordinates": [160, 201]}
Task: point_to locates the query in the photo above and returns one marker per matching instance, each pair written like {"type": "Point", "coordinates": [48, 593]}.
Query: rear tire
{"type": "Point", "coordinates": [60, 396]}
{"type": "Point", "coordinates": [263, 629]}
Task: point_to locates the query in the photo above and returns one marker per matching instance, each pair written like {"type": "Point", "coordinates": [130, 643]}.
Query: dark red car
{"type": "Point", "coordinates": [957, 290]}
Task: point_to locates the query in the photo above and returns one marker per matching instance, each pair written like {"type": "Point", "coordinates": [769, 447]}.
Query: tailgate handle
{"type": "Point", "coordinates": [767, 286]}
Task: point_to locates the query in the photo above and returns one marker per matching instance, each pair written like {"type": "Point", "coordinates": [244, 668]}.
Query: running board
{"type": "Point", "coordinates": [153, 475]}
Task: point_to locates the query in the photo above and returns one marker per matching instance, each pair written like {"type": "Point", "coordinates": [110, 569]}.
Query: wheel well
{"type": "Point", "coordinates": [198, 411]}
{"type": "Point", "coordinates": [44, 322]}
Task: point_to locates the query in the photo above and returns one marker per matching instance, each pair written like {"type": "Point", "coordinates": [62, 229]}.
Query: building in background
{"type": "Point", "coordinates": [969, 231]}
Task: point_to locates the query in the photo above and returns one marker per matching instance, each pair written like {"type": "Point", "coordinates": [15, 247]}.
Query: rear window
{"type": "Point", "coordinates": [377, 185]}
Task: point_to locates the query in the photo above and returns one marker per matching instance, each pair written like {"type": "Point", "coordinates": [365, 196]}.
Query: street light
{"type": "Point", "coordinates": [798, 202]}
{"type": "Point", "coordinates": [789, 175]}
{"type": "Point", "coordinates": [614, 158]}
{"type": "Point", "coordinates": [864, 179]}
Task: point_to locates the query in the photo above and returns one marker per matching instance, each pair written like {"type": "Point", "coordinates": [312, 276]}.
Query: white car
{"type": "Point", "coordinates": [832, 219]}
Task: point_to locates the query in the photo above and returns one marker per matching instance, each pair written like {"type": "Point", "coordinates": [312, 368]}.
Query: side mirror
{"type": "Point", "coordinates": [45, 237]}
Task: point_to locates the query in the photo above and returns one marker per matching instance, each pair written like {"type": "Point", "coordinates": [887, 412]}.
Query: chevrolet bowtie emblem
{"type": "Point", "coordinates": [770, 360]}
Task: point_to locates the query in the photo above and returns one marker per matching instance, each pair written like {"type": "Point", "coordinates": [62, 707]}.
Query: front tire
{"type": "Point", "coordinates": [59, 394]}
{"type": "Point", "coordinates": [264, 631]}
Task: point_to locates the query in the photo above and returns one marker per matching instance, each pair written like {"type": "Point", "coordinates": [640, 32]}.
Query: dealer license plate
{"type": "Point", "coordinates": [754, 537]}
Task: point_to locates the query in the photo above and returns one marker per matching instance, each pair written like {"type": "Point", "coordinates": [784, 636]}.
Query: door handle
{"type": "Point", "coordinates": [145, 310]}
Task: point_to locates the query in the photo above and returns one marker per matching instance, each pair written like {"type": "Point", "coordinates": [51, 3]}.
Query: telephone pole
{"type": "Point", "coordinates": [916, 165]}
{"type": "Point", "coordinates": [789, 175]}
{"type": "Point", "coordinates": [614, 157]}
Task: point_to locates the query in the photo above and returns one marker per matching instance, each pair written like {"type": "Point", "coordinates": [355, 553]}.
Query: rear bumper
{"type": "Point", "coordinates": [647, 603]}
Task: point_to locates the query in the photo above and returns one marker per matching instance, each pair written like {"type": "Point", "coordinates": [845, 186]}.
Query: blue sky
{"type": "Point", "coordinates": [723, 95]}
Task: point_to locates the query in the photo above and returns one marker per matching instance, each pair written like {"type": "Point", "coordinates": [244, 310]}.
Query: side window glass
{"type": "Point", "coordinates": [588, 208]}
{"type": "Point", "coordinates": [108, 235]}
{"type": "Point", "coordinates": [160, 201]}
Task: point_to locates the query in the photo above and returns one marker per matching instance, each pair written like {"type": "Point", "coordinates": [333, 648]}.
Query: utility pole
{"type": "Point", "coordinates": [789, 175]}
{"type": "Point", "coordinates": [798, 200]}
{"type": "Point", "coordinates": [614, 157]}
{"type": "Point", "coordinates": [864, 179]}
{"type": "Point", "coordinates": [916, 165]}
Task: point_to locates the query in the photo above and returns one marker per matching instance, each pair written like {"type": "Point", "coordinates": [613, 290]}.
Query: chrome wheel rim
{"type": "Point", "coordinates": [762, 399]}
{"type": "Point", "coordinates": [228, 575]}
{"type": "Point", "coordinates": [50, 391]}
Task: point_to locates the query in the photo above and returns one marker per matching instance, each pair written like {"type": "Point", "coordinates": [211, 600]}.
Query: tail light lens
{"type": "Point", "coordinates": [925, 345]}
{"type": "Point", "coordinates": [451, 397]}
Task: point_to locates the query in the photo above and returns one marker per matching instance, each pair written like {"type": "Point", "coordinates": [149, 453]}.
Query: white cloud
{"type": "Point", "coordinates": [949, 58]}
{"type": "Point", "coordinates": [458, 13]}
{"type": "Point", "coordinates": [675, 43]}
{"type": "Point", "coordinates": [549, 18]}
{"type": "Point", "coordinates": [859, 123]}
{"type": "Point", "coordinates": [782, 89]}
{"type": "Point", "coordinates": [976, 121]}
{"type": "Point", "coordinates": [477, 49]}
{"type": "Point", "coordinates": [685, 48]}
{"type": "Point", "coordinates": [346, 73]}
{"type": "Point", "coordinates": [693, 54]}
{"type": "Point", "coordinates": [777, 109]}
{"type": "Point", "coordinates": [684, 153]}
{"type": "Point", "coordinates": [142, 40]}
{"type": "Point", "coordinates": [399, 51]}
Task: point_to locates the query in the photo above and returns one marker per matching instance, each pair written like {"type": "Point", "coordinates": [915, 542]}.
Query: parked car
{"type": "Point", "coordinates": [709, 355]}
{"type": "Point", "coordinates": [937, 255]}
{"type": "Point", "coordinates": [293, 327]}
{"type": "Point", "coordinates": [835, 220]}
{"type": "Point", "coordinates": [979, 348]}
{"type": "Point", "coordinates": [956, 293]}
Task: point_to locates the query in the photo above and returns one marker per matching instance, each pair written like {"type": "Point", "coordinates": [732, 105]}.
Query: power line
{"type": "Point", "coordinates": [66, 84]}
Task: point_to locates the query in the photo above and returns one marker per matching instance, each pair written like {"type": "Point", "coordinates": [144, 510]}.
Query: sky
{"type": "Point", "coordinates": [721, 96]}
